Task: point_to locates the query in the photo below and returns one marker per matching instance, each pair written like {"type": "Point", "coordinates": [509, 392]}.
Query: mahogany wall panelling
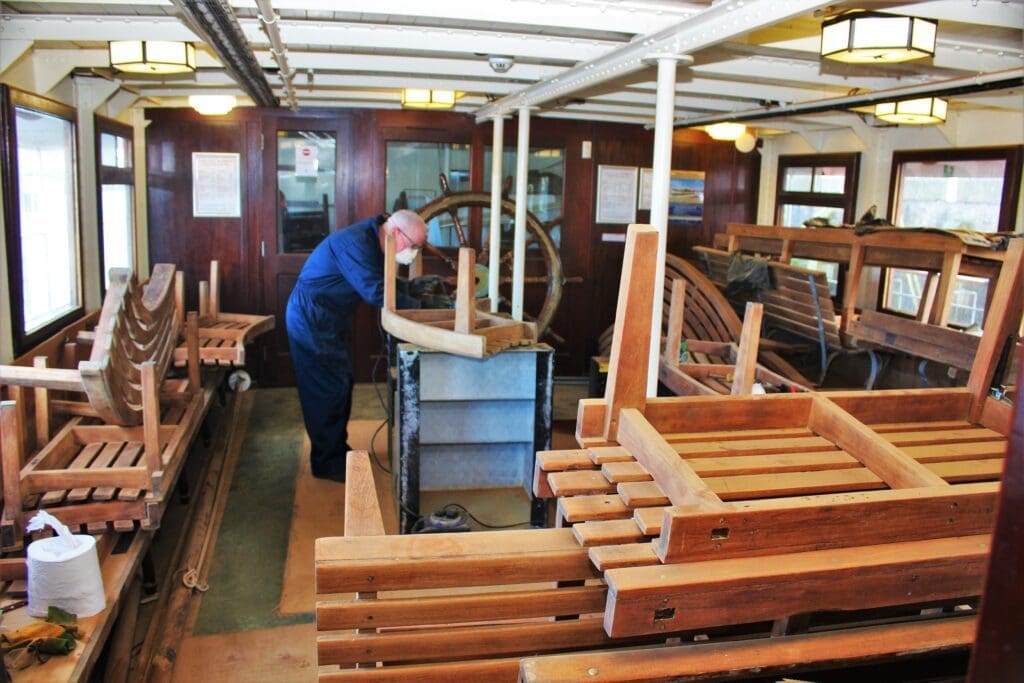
{"type": "Point", "coordinates": [175, 236]}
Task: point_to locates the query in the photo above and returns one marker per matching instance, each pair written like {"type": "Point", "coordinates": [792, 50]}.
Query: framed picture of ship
{"type": "Point", "coordinates": [686, 197]}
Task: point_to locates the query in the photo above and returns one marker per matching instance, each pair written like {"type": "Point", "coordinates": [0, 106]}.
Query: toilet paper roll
{"type": "Point", "coordinates": [65, 576]}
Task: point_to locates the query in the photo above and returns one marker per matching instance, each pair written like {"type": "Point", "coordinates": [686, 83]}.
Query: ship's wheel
{"type": "Point", "coordinates": [543, 264]}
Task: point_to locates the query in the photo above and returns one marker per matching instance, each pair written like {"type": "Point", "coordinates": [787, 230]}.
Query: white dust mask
{"type": "Point", "coordinates": [407, 255]}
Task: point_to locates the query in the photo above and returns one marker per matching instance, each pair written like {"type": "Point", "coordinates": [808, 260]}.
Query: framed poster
{"type": "Point", "coordinates": [646, 185]}
{"type": "Point", "coordinates": [616, 194]}
{"type": "Point", "coordinates": [216, 185]}
{"type": "Point", "coordinates": [686, 197]}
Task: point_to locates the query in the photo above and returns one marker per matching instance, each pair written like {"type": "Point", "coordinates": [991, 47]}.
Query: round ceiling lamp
{"type": "Point", "coordinates": [746, 142]}
{"type": "Point", "coordinates": [920, 112]}
{"type": "Point", "coordinates": [874, 37]}
{"type": "Point", "coordinates": [152, 56]}
{"type": "Point", "coordinates": [725, 131]}
{"type": "Point", "coordinates": [212, 105]}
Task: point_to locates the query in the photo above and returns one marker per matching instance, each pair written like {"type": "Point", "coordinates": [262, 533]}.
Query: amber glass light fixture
{"type": "Point", "coordinates": [152, 56]}
{"type": "Point", "coordinates": [920, 112]}
{"type": "Point", "coordinates": [725, 131]}
{"type": "Point", "coordinates": [874, 37]}
{"type": "Point", "coordinates": [425, 98]}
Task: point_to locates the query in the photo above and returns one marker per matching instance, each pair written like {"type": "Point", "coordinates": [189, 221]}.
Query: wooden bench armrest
{"type": "Point", "coordinates": [57, 379]}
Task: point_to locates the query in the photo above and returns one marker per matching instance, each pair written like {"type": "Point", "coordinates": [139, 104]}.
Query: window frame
{"type": "Point", "coordinates": [9, 99]}
{"type": "Point", "coordinates": [111, 175]}
{"type": "Point", "coordinates": [1012, 154]}
{"type": "Point", "coordinates": [847, 201]}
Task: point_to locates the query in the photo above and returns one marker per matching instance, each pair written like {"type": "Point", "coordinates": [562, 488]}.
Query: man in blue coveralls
{"type": "Point", "coordinates": [348, 265]}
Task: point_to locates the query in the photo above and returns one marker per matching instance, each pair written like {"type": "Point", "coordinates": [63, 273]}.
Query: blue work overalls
{"type": "Point", "coordinates": [346, 266]}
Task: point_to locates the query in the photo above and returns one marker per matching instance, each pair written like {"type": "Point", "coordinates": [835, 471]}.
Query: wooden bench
{"type": "Point", "coordinates": [222, 336]}
{"type": "Point", "coordinates": [103, 460]}
{"type": "Point", "coordinates": [943, 345]}
{"type": "Point", "coordinates": [798, 302]}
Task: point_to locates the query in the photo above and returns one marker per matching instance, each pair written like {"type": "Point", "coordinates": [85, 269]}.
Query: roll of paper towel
{"type": "Point", "coordinates": [65, 575]}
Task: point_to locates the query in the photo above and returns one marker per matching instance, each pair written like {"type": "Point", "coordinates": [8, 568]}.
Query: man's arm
{"type": "Point", "coordinates": [362, 269]}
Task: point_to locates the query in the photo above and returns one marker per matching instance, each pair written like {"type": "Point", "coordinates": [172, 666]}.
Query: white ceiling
{"type": "Point", "coordinates": [573, 58]}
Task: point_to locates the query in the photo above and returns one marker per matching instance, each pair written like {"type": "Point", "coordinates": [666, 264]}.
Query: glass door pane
{"type": "Point", "coordinates": [305, 189]}
{"type": "Point", "coordinates": [117, 227]}
{"type": "Point", "coordinates": [413, 170]}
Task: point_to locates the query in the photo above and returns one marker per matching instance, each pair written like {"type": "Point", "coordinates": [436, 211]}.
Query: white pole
{"type": "Point", "coordinates": [519, 253]}
{"type": "Point", "coordinates": [660, 171]}
{"type": "Point", "coordinates": [494, 264]}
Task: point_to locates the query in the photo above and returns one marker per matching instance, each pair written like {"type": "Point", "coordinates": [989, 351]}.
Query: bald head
{"type": "Point", "coordinates": [408, 228]}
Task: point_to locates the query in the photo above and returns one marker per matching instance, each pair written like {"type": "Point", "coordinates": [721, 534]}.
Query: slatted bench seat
{"type": "Point", "coordinates": [108, 458]}
{"type": "Point", "coordinates": [943, 345]}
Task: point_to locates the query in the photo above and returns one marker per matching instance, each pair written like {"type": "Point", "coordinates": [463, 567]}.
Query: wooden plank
{"type": "Point", "coordinates": [895, 468]}
{"type": "Point", "coordinates": [81, 461]}
{"type": "Point", "coordinates": [487, 641]}
{"type": "Point", "coordinates": [794, 483]}
{"type": "Point", "coordinates": [590, 416]}
{"type": "Point", "coordinates": [377, 563]}
{"type": "Point", "coordinates": [738, 434]}
{"type": "Point", "coordinates": [459, 608]}
{"type": "Point", "coordinates": [607, 557]}
{"type": "Point", "coordinates": [649, 520]}
{"type": "Point", "coordinates": [693, 595]}
{"type": "Point", "coordinates": [497, 669]}
{"type": "Point", "coordinates": [776, 526]}
{"type": "Point", "coordinates": [682, 414]}
{"type": "Point", "coordinates": [757, 658]}
{"type": "Point", "coordinates": [639, 494]}
{"type": "Point", "coordinates": [911, 405]}
{"type": "Point", "coordinates": [129, 456]}
{"type": "Point", "coordinates": [763, 446]}
{"type": "Point", "coordinates": [465, 310]}
{"type": "Point", "coordinates": [362, 508]}
{"type": "Point", "coordinates": [915, 437]}
{"type": "Point", "coordinates": [49, 378]}
{"type": "Point", "coordinates": [968, 470]}
{"type": "Point", "coordinates": [601, 455]}
{"type": "Point", "coordinates": [608, 532]}
{"type": "Point", "coordinates": [774, 463]}
{"type": "Point", "coordinates": [674, 331]}
{"type": "Point", "coordinates": [560, 461]}
{"type": "Point", "coordinates": [11, 443]}
{"type": "Point", "coordinates": [626, 385]}
{"type": "Point", "coordinates": [957, 451]}
{"type": "Point", "coordinates": [617, 472]}
{"type": "Point", "coordinates": [996, 415]}
{"type": "Point", "coordinates": [584, 508]}
{"type": "Point", "coordinates": [579, 483]}
{"type": "Point", "coordinates": [40, 481]}
{"type": "Point", "coordinates": [746, 359]}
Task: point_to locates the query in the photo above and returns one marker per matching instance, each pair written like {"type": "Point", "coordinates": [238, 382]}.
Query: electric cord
{"type": "Point", "coordinates": [476, 519]}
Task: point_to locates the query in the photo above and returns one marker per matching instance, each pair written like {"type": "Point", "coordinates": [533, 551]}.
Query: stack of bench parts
{"type": "Point", "coordinates": [697, 536]}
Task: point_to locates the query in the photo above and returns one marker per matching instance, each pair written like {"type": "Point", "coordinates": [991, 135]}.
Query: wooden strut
{"type": "Point", "coordinates": [464, 331]}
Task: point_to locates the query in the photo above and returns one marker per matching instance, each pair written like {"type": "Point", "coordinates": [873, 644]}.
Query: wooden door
{"type": "Point", "coordinates": [306, 194]}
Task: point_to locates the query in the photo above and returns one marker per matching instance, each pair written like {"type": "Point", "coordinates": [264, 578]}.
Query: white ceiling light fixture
{"type": "Point", "coordinates": [725, 131]}
{"type": "Point", "coordinates": [152, 56]}
{"type": "Point", "coordinates": [746, 142]}
{"type": "Point", "coordinates": [919, 112]}
{"type": "Point", "coordinates": [876, 37]}
{"type": "Point", "coordinates": [425, 98]}
{"type": "Point", "coordinates": [212, 105]}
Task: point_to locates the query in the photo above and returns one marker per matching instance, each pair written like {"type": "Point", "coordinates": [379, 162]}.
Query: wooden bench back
{"type": "Point", "coordinates": [138, 325]}
{"type": "Point", "coordinates": [799, 301]}
{"type": "Point", "coordinates": [932, 342]}
{"type": "Point", "coordinates": [708, 316]}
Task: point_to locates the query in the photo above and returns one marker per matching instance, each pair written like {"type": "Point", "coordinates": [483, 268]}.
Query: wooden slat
{"type": "Point", "coordinates": [761, 446]}
{"type": "Point", "coordinates": [957, 451]}
{"type": "Point", "coordinates": [687, 413]}
{"type": "Point", "coordinates": [678, 597]}
{"type": "Point", "coordinates": [746, 358]}
{"type": "Point", "coordinates": [642, 494]}
{"type": "Point", "coordinates": [499, 669]}
{"type": "Point", "coordinates": [968, 470]}
{"type": "Point", "coordinates": [585, 508]}
{"type": "Point", "coordinates": [459, 608]}
{"type": "Point", "coordinates": [649, 520]}
{"type": "Point", "coordinates": [757, 658]}
{"type": "Point", "coordinates": [936, 435]}
{"type": "Point", "coordinates": [801, 524]}
{"type": "Point", "coordinates": [362, 508]}
{"type": "Point", "coordinates": [617, 472]}
{"type": "Point", "coordinates": [778, 462]}
{"type": "Point", "coordinates": [738, 434]}
{"type": "Point", "coordinates": [601, 455]}
{"type": "Point", "coordinates": [608, 532]}
{"type": "Point", "coordinates": [461, 643]}
{"type": "Point", "coordinates": [377, 563]}
{"type": "Point", "coordinates": [794, 483]}
{"type": "Point", "coordinates": [626, 385]}
{"type": "Point", "coordinates": [607, 557]}
{"type": "Point", "coordinates": [579, 482]}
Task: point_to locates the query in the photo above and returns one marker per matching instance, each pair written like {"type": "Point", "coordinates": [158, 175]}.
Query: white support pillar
{"type": "Point", "coordinates": [90, 94]}
{"type": "Point", "coordinates": [660, 173]}
{"type": "Point", "coordinates": [519, 250]}
{"type": "Point", "coordinates": [494, 246]}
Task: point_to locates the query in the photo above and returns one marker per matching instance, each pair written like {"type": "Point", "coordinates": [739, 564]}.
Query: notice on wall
{"type": "Point", "coordinates": [307, 160]}
{"type": "Point", "coordinates": [646, 188]}
{"type": "Point", "coordinates": [216, 185]}
{"type": "Point", "coordinates": [616, 194]}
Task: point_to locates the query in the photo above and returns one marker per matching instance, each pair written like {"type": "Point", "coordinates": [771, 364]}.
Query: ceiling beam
{"type": "Point", "coordinates": [720, 22]}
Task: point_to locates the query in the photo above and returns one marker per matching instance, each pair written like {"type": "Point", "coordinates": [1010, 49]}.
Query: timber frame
{"type": "Point", "coordinates": [698, 516]}
{"type": "Point", "coordinates": [464, 331]}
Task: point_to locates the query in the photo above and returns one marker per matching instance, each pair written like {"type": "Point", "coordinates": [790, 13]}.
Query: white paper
{"type": "Point", "coordinates": [616, 194]}
{"type": "Point", "coordinates": [216, 185]}
{"type": "Point", "coordinates": [307, 160]}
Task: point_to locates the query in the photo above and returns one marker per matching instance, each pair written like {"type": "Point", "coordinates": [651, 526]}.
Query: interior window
{"type": "Point", "coordinates": [822, 187]}
{"type": "Point", "coordinates": [41, 214]}
{"type": "Point", "coordinates": [967, 189]}
{"type": "Point", "coordinates": [117, 196]}
{"type": "Point", "coordinates": [413, 170]}
{"type": "Point", "coordinates": [544, 186]}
